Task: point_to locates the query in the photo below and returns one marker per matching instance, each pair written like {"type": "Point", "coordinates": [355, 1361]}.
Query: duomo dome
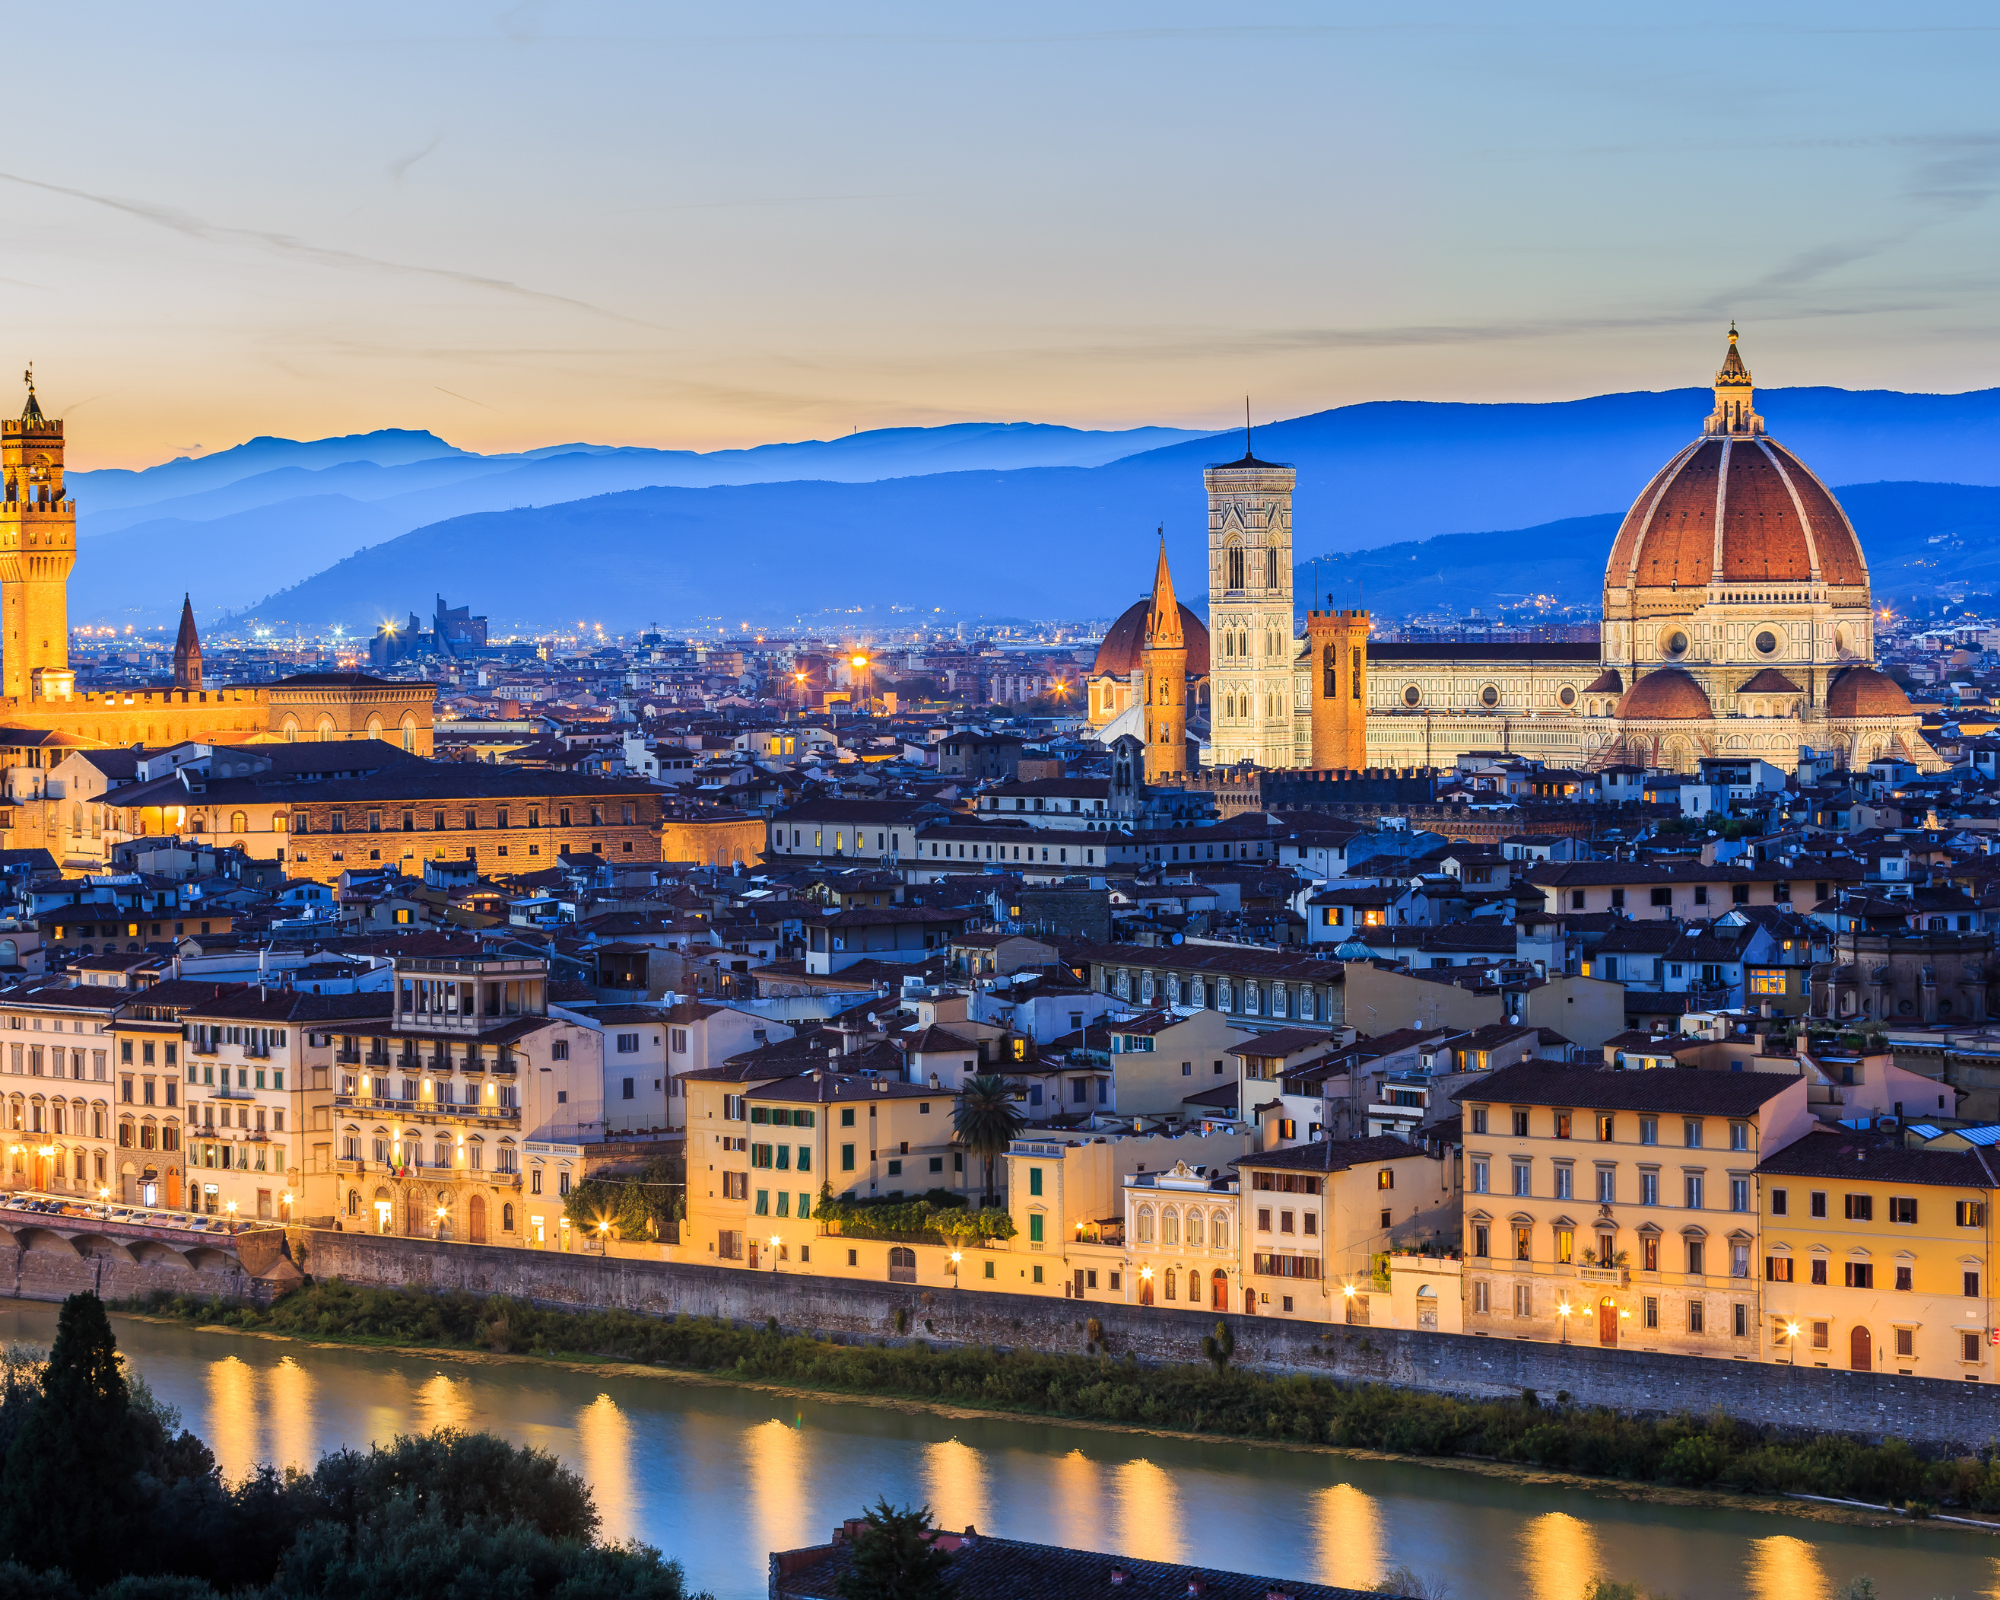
{"type": "Point", "coordinates": [1737, 609]}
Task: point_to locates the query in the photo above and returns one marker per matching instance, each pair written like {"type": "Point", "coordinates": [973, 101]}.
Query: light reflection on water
{"type": "Point", "coordinates": [1785, 1567]}
{"type": "Point", "coordinates": [1349, 1525]}
{"type": "Point", "coordinates": [1559, 1556]}
{"type": "Point", "coordinates": [718, 1477]}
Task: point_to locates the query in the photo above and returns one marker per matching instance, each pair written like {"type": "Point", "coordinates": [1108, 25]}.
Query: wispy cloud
{"type": "Point", "coordinates": [402, 164]}
{"type": "Point", "coordinates": [193, 227]}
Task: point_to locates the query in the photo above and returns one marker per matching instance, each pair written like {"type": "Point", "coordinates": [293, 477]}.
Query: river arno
{"type": "Point", "coordinates": [717, 1477]}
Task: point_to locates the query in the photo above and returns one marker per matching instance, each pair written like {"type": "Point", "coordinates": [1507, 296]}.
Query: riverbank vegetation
{"type": "Point", "coordinates": [104, 1494]}
{"type": "Point", "coordinates": [1212, 1397]}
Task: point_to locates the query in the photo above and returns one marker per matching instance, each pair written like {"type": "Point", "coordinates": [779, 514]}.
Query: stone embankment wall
{"type": "Point", "coordinates": [1925, 1410]}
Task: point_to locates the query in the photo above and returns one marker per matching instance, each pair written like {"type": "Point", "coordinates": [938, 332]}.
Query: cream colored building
{"type": "Point", "coordinates": [64, 1108]}
{"type": "Point", "coordinates": [433, 1104]}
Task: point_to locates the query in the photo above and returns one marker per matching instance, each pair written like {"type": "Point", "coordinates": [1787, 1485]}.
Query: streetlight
{"type": "Point", "coordinates": [1563, 1311]}
{"type": "Point", "coordinates": [104, 1199]}
{"type": "Point", "coordinates": [230, 1207]}
{"type": "Point", "coordinates": [860, 665]}
{"type": "Point", "coordinates": [774, 1254]}
{"type": "Point", "coordinates": [1792, 1342]}
{"type": "Point", "coordinates": [956, 1257]}
{"type": "Point", "coordinates": [442, 1213]}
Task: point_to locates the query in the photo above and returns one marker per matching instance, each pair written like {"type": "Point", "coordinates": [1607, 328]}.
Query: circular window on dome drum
{"type": "Point", "coordinates": [1412, 695]}
{"type": "Point", "coordinates": [1566, 696]}
{"type": "Point", "coordinates": [1767, 643]}
{"type": "Point", "coordinates": [1489, 696]}
{"type": "Point", "coordinates": [1673, 642]}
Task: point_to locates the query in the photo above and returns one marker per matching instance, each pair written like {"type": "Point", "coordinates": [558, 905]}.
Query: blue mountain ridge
{"type": "Point", "coordinates": [1047, 540]}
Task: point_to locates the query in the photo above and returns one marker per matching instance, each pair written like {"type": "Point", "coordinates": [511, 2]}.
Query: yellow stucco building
{"type": "Point", "coordinates": [1878, 1258]}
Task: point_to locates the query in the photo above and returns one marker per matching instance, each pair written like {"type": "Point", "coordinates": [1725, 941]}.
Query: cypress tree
{"type": "Point", "coordinates": [68, 1487]}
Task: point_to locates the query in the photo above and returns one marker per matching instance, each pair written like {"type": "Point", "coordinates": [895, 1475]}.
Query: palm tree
{"type": "Point", "coordinates": [986, 1120]}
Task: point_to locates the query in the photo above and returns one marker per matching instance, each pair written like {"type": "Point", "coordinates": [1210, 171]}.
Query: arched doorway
{"type": "Point", "coordinates": [475, 1219]}
{"type": "Point", "coordinates": [384, 1210]}
{"type": "Point", "coordinates": [1218, 1290]}
{"type": "Point", "coordinates": [1860, 1350]}
{"type": "Point", "coordinates": [1607, 1321]}
{"type": "Point", "coordinates": [413, 1217]}
{"type": "Point", "coordinates": [1250, 1302]}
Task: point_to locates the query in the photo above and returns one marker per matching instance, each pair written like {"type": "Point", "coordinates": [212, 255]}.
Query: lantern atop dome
{"type": "Point", "coordinates": [1734, 393]}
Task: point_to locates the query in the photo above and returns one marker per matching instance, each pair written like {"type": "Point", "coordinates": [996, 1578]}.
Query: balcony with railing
{"type": "Point", "coordinates": [428, 1110]}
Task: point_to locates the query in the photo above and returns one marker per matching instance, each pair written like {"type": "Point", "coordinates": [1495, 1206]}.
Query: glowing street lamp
{"type": "Point", "coordinates": [956, 1257]}
{"type": "Point", "coordinates": [104, 1200]}
{"type": "Point", "coordinates": [231, 1209]}
{"type": "Point", "coordinates": [1792, 1342]}
{"type": "Point", "coordinates": [1563, 1311]}
{"type": "Point", "coordinates": [775, 1241]}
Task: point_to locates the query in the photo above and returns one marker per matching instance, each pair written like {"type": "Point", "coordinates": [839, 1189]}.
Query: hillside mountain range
{"type": "Point", "coordinates": [1037, 537]}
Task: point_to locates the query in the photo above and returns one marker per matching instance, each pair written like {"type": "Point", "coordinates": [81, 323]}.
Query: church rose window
{"type": "Point", "coordinates": [1767, 642]}
{"type": "Point", "coordinates": [1412, 695]}
{"type": "Point", "coordinates": [1489, 696]}
{"type": "Point", "coordinates": [1677, 643]}
{"type": "Point", "coordinates": [1566, 695]}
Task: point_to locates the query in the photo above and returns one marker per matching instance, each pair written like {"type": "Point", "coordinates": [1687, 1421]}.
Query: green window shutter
{"type": "Point", "coordinates": [1035, 1230]}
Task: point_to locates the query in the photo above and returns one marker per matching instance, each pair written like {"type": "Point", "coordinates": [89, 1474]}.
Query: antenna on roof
{"type": "Point", "coordinates": [1247, 451]}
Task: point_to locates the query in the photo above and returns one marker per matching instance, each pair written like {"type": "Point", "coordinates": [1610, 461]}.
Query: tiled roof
{"type": "Point", "coordinates": [1282, 1042]}
{"type": "Point", "coordinates": [1331, 1155]}
{"type": "Point", "coordinates": [1674, 1090]}
{"type": "Point", "coordinates": [1839, 1153]}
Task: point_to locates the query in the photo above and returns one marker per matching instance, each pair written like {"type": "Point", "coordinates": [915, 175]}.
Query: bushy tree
{"type": "Point", "coordinates": [895, 1559]}
{"type": "Point", "coordinates": [461, 1477]}
{"type": "Point", "coordinates": [403, 1551]}
{"type": "Point", "coordinates": [67, 1492]}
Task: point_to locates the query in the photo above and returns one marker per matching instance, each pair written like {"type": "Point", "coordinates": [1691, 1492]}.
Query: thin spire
{"type": "Point", "coordinates": [32, 411]}
{"type": "Point", "coordinates": [1248, 452]}
{"type": "Point", "coordinates": [1163, 617]}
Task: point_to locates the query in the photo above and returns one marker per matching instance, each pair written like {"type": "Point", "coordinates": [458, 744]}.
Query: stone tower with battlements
{"type": "Point", "coordinates": [37, 550]}
{"type": "Point", "coordinates": [1250, 644]}
{"type": "Point", "coordinates": [1163, 667]}
{"type": "Point", "coordinates": [1337, 672]}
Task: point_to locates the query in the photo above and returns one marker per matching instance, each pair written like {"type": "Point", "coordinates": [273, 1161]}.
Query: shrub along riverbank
{"type": "Point", "coordinates": [1215, 1398]}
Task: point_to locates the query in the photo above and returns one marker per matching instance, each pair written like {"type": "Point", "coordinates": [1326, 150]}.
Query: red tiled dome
{"type": "Point", "coordinates": [1118, 655]}
{"type": "Point", "coordinates": [1779, 523]}
{"type": "Point", "coordinates": [1668, 694]}
{"type": "Point", "coordinates": [1864, 692]}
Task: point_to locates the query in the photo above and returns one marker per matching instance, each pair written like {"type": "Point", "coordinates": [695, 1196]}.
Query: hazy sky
{"type": "Point", "coordinates": [727, 224]}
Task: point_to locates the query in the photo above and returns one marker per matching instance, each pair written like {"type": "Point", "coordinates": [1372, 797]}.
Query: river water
{"type": "Point", "coordinates": [717, 1477]}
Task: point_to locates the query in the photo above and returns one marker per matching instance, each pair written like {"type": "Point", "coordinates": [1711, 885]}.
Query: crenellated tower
{"type": "Point", "coordinates": [37, 550]}
{"type": "Point", "coordinates": [1163, 669]}
{"type": "Point", "coordinates": [1337, 669]}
